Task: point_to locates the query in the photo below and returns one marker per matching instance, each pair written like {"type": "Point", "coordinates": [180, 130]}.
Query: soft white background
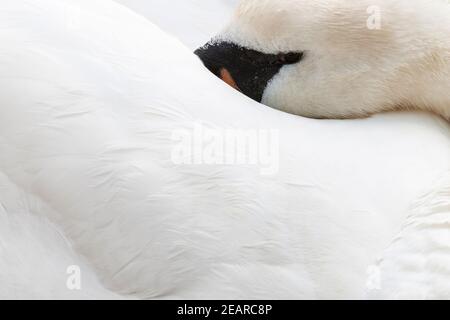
{"type": "Point", "coordinates": [192, 21]}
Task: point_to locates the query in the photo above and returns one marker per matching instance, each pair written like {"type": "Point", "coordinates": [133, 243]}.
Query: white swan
{"type": "Point", "coordinates": [94, 100]}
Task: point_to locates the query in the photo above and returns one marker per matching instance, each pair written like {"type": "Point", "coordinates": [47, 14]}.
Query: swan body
{"type": "Point", "coordinates": [35, 257]}
{"type": "Point", "coordinates": [91, 112]}
{"type": "Point", "coordinates": [359, 57]}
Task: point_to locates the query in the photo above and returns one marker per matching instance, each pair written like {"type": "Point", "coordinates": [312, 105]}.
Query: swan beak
{"type": "Point", "coordinates": [246, 70]}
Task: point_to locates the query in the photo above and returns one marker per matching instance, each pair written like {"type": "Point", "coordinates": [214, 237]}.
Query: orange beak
{"type": "Point", "coordinates": [226, 76]}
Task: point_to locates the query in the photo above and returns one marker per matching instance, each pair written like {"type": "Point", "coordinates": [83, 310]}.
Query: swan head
{"type": "Point", "coordinates": [320, 59]}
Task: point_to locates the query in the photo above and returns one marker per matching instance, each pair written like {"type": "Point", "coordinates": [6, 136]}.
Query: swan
{"type": "Point", "coordinates": [98, 105]}
{"type": "Point", "coordinates": [337, 59]}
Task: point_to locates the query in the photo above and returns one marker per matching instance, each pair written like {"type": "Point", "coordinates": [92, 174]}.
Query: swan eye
{"type": "Point", "coordinates": [288, 58]}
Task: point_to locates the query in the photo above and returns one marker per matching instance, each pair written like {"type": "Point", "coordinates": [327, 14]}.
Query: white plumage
{"type": "Point", "coordinates": [368, 56]}
{"type": "Point", "coordinates": [91, 95]}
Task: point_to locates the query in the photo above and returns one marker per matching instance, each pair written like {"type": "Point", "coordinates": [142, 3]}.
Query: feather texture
{"type": "Point", "coordinates": [91, 97]}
